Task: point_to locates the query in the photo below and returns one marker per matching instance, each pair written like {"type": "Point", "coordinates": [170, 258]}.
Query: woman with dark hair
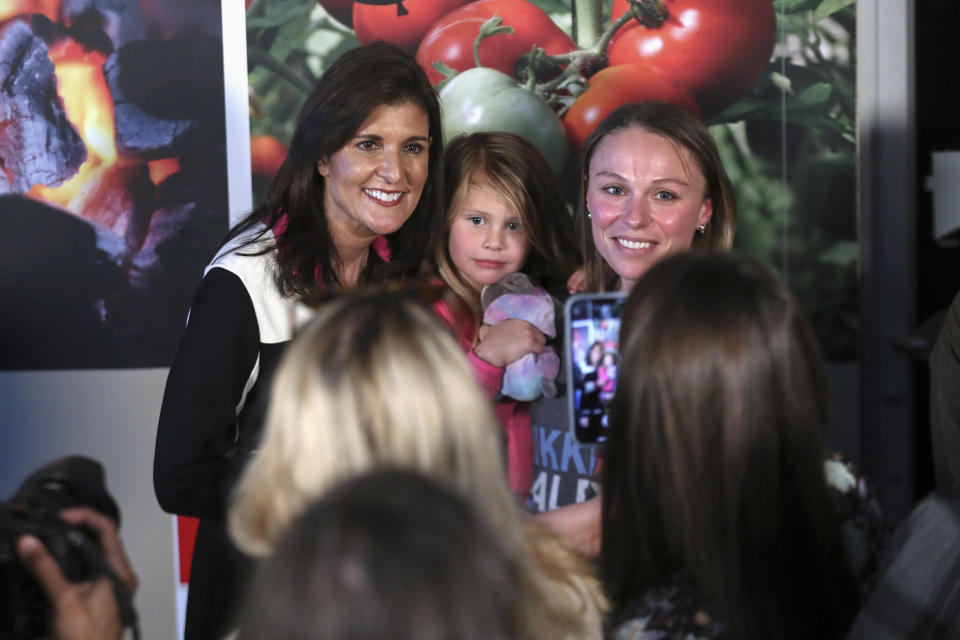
{"type": "Point", "coordinates": [355, 201]}
{"type": "Point", "coordinates": [390, 554]}
{"type": "Point", "coordinates": [717, 519]}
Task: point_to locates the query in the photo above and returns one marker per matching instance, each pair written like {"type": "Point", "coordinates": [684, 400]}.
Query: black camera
{"type": "Point", "coordinates": [72, 481]}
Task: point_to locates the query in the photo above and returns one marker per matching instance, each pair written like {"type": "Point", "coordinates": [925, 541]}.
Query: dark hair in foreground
{"type": "Point", "coordinates": [387, 555]}
{"type": "Point", "coordinates": [684, 130]}
{"type": "Point", "coordinates": [715, 462]}
{"type": "Point", "coordinates": [359, 81]}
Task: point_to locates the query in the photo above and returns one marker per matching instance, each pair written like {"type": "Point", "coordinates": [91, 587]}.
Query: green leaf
{"type": "Point", "coordinates": [747, 109]}
{"type": "Point", "coordinates": [781, 82]}
{"type": "Point", "coordinates": [290, 36]}
{"type": "Point", "coordinates": [326, 44]}
{"type": "Point", "coordinates": [560, 11]}
{"type": "Point", "coordinates": [794, 6]}
{"type": "Point", "coordinates": [280, 12]}
{"type": "Point", "coordinates": [552, 6]}
{"type": "Point", "coordinates": [842, 253]}
{"type": "Point", "coordinates": [813, 96]}
{"type": "Point", "coordinates": [829, 7]}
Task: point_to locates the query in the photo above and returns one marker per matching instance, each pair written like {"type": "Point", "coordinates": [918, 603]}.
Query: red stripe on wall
{"type": "Point", "coordinates": [186, 535]}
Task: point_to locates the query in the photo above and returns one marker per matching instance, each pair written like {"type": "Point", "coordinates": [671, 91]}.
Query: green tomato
{"type": "Point", "coordinates": [484, 99]}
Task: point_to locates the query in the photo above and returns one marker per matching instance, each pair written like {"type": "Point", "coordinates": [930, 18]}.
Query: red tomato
{"type": "Point", "coordinates": [341, 10]}
{"type": "Point", "coordinates": [451, 38]}
{"type": "Point", "coordinates": [266, 155]}
{"type": "Point", "coordinates": [613, 86]}
{"type": "Point", "coordinates": [402, 22]}
{"type": "Point", "coordinates": [716, 48]}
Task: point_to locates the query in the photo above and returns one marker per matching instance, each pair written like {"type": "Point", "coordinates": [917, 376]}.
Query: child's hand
{"type": "Point", "coordinates": [508, 341]}
{"type": "Point", "coordinates": [577, 281]}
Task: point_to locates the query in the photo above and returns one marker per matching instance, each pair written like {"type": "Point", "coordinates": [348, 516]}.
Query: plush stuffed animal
{"type": "Point", "coordinates": [515, 296]}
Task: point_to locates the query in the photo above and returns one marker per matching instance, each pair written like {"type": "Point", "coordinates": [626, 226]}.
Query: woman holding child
{"type": "Point", "coordinates": [718, 519]}
{"type": "Point", "coordinates": [651, 184]}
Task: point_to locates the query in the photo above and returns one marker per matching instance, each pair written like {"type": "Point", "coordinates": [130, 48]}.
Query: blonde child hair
{"type": "Point", "coordinates": [372, 382]}
{"type": "Point", "coordinates": [518, 172]}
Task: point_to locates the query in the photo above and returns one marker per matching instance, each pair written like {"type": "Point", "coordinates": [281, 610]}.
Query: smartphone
{"type": "Point", "coordinates": [592, 330]}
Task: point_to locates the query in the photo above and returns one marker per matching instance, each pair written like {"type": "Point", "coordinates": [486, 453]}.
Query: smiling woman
{"type": "Point", "coordinates": [646, 199]}
{"type": "Point", "coordinates": [652, 184]}
{"type": "Point", "coordinates": [373, 184]}
{"type": "Point", "coordinates": [353, 202]}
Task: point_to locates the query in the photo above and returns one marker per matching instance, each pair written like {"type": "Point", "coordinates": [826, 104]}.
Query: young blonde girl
{"type": "Point", "coordinates": [505, 213]}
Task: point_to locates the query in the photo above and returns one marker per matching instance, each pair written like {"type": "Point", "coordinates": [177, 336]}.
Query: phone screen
{"type": "Point", "coordinates": [593, 361]}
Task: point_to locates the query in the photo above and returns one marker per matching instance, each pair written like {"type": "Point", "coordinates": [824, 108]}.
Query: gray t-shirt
{"type": "Point", "coordinates": [564, 471]}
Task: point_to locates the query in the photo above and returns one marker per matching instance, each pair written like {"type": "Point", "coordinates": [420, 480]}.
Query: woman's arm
{"type": "Point", "coordinates": [496, 346]}
{"type": "Point", "coordinates": [194, 466]}
{"type": "Point", "coordinates": [489, 376]}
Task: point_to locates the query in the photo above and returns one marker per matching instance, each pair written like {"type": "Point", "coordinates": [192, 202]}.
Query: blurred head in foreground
{"type": "Point", "coordinates": [715, 462]}
{"type": "Point", "coordinates": [375, 382]}
{"type": "Point", "coordinates": [386, 555]}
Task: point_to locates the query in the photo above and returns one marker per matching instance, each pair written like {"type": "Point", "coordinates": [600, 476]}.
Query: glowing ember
{"type": "Point", "coordinates": [160, 170]}
{"type": "Point", "coordinates": [13, 8]}
{"type": "Point", "coordinates": [89, 107]}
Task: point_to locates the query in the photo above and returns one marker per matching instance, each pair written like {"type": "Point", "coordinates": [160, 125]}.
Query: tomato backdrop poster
{"type": "Point", "coordinates": [774, 80]}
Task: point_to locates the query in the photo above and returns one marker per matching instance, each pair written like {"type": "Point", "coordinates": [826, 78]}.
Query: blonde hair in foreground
{"type": "Point", "coordinates": [374, 381]}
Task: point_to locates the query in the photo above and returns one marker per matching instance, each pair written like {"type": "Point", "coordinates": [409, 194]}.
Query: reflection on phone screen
{"type": "Point", "coordinates": [594, 362]}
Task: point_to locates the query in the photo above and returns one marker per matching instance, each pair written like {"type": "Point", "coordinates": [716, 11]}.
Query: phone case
{"type": "Point", "coordinates": [591, 360]}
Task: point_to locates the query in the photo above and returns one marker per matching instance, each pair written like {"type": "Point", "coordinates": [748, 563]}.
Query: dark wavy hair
{"type": "Point", "coordinates": [676, 124]}
{"type": "Point", "coordinates": [715, 462]}
{"type": "Point", "coordinates": [358, 81]}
